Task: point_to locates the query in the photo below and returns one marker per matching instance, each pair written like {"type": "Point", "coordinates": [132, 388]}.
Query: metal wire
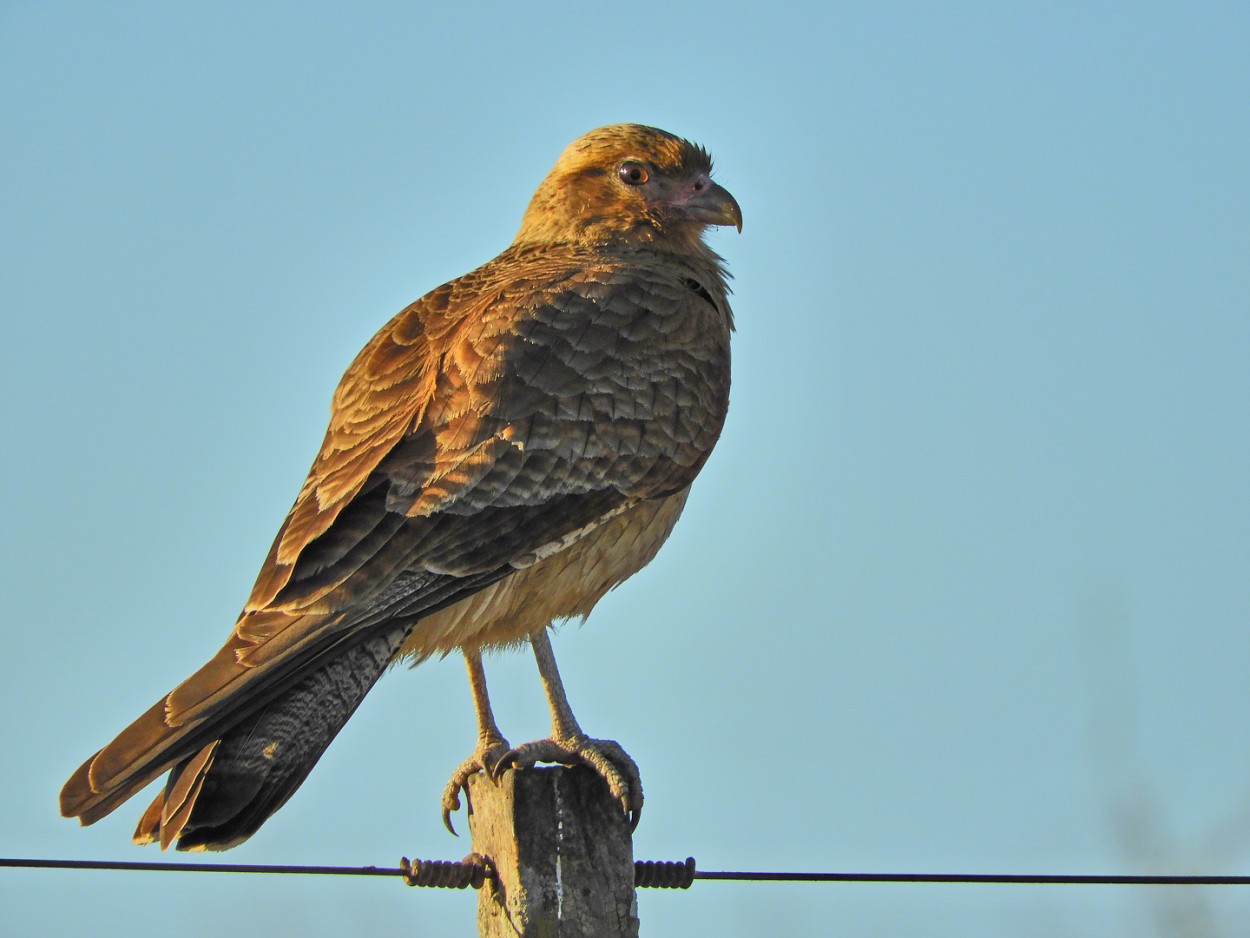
{"type": "Point", "coordinates": [202, 867]}
{"type": "Point", "coordinates": [663, 872]}
{"type": "Point", "coordinates": [473, 871]}
{"type": "Point", "coordinates": [659, 874]}
{"type": "Point", "coordinates": [1011, 879]}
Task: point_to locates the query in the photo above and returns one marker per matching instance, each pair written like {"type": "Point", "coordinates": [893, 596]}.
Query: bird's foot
{"type": "Point", "coordinates": [488, 757]}
{"type": "Point", "coordinates": [605, 756]}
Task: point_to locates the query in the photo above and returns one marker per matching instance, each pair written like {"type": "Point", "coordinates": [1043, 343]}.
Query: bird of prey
{"type": "Point", "coordinates": [500, 455]}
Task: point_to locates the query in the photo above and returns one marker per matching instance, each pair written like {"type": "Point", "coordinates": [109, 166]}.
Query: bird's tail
{"type": "Point", "coordinates": [220, 794]}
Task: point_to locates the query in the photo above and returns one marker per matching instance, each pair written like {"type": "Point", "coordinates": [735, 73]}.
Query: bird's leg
{"type": "Point", "coordinates": [491, 746]}
{"type": "Point", "coordinates": [568, 745]}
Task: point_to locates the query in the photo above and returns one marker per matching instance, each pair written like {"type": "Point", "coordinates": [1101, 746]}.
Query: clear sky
{"type": "Point", "coordinates": [964, 587]}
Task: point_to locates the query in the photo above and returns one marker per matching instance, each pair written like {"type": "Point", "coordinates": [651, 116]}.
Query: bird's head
{"type": "Point", "coordinates": [629, 185]}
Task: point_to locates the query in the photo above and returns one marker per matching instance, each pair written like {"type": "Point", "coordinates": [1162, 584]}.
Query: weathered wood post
{"type": "Point", "coordinates": [562, 853]}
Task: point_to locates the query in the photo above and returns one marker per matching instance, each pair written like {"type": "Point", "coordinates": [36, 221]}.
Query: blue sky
{"type": "Point", "coordinates": [964, 587]}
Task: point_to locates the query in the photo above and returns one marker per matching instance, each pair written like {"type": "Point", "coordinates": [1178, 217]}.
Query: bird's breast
{"type": "Point", "coordinates": [563, 585]}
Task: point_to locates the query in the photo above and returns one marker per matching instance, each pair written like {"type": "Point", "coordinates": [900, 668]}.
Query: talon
{"type": "Point", "coordinates": [502, 765]}
{"type": "Point", "coordinates": [451, 802]}
{"type": "Point", "coordinates": [602, 756]}
{"type": "Point", "coordinates": [482, 760]}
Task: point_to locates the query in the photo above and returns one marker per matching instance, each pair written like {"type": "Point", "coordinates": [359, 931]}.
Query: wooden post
{"type": "Point", "coordinates": [562, 852]}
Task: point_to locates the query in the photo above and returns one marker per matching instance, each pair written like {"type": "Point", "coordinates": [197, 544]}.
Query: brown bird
{"type": "Point", "coordinates": [501, 454]}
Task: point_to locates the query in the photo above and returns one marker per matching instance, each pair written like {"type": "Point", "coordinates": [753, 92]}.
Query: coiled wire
{"type": "Point", "coordinates": [473, 871]}
{"type": "Point", "coordinates": [663, 874]}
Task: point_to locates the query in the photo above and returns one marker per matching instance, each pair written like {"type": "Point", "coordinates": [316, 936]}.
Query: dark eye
{"type": "Point", "coordinates": [633, 174]}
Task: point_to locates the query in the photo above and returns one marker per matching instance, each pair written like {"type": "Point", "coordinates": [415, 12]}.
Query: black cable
{"type": "Point", "coordinates": [1024, 879]}
{"type": "Point", "coordinates": [201, 867]}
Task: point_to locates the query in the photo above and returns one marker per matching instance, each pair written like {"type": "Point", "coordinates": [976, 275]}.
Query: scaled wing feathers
{"type": "Point", "coordinates": [495, 421]}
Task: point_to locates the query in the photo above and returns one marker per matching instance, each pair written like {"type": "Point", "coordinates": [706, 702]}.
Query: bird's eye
{"type": "Point", "coordinates": [633, 174]}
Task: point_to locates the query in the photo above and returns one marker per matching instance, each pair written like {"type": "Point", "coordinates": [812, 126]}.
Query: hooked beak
{"type": "Point", "coordinates": [707, 202]}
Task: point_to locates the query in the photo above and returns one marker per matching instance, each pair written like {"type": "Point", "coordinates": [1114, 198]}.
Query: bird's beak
{"type": "Point", "coordinates": [705, 201]}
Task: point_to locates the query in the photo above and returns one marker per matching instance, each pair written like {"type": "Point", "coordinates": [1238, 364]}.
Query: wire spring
{"type": "Point", "coordinates": [663, 874]}
{"type": "Point", "coordinates": [473, 871]}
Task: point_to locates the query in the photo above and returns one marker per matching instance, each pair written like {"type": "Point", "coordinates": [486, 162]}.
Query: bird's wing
{"type": "Point", "coordinates": [489, 424]}
{"type": "Point", "coordinates": [495, 418]}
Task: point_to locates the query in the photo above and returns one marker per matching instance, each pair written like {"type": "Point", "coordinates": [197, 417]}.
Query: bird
{"type": "Point", "coordinates": [500, 455]}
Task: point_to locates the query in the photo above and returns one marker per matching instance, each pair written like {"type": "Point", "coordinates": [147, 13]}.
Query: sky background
{"type": "Point", "coordinates": [963, 589]}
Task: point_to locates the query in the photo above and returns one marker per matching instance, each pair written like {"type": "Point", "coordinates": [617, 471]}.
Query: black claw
{"type": "Point", "coordinates": [506, 762]}
{"type": "Point", "coordinates": [455, 806]}
{"type": "Point", "coordinates": [634, 818]}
